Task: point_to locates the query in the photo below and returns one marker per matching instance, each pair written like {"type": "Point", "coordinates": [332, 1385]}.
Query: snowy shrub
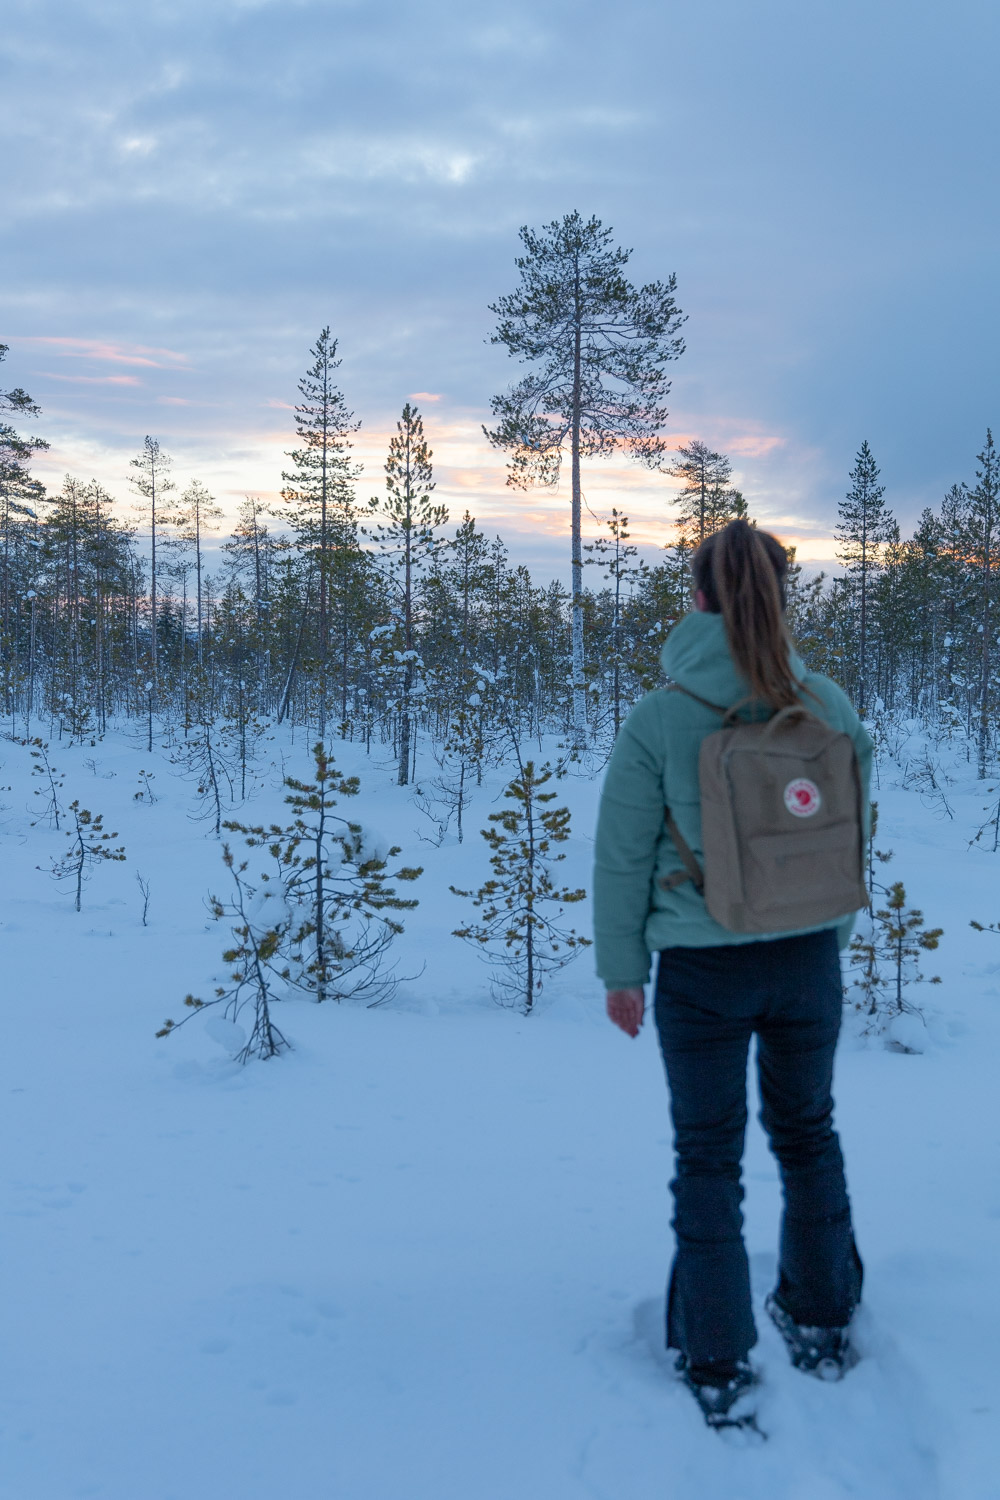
{"type": "Point", "coordinates": [88, 847]}
{"type": "Point", "coordinates": [52, 781]}
{"type": "Point", "coordinates": [204, 760]}
{"type": "Point", "coordinates": [461, 757]}
{"type": "Point", "coordinates": [925, 774]}
{"type": "Point", "coordinates": [144, 889]}
{"type": "Point", "coordinates": [885, 959]}
{"type": "Point", "coordinates": [514, 933]}
{"type": "Point", "coordinates": [989, 831]}
{"type": "Point", "coordinates": [145, 792]}
{"type": "Point", "coordinates": [332, 883]}
{"type": "Point", "coordinates": [257, 962]}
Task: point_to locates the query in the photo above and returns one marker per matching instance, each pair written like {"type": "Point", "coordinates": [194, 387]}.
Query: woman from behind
{"type": "Point", "coordinates": [716, 988]}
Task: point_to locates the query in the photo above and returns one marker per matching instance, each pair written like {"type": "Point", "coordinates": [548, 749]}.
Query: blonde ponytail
{"type": "Point", "coordinates": [741, 572]}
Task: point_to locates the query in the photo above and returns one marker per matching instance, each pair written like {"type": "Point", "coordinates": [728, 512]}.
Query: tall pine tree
{"type": "Point", "coordinates": [409, 544]}
{"type": "Point", "coordinates": [152, 483]}
{"type": "Point", "coordinates": [864, 525]}
{"type": "Point", "coordinates": [984, 543]}
{"type": "Point", "coordinates": [319, 488]}
{"type": "Point", "coordinates": [598, 347]}
{"type": "Point", "coordinates": [707, 502]}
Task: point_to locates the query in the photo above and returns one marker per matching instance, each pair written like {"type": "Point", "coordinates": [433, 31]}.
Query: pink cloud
{"type": "Point", "coordinates": [93, 379]}
{"type": "Point", "coordinates": [468, 479]}
{"type": "Point", "coordinates": [424, 396]}
{"type": "Point", "coordinates": [120, 354]}
{"type": "Point", "coordinates": [173, 401]}
{"type": "Point", "coordinates": [754, 447]}
{"type": "Point", "coordinates": [745, 444]}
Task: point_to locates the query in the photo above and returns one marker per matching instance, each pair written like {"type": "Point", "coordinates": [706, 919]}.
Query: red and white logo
{"type": "Point", "coordinates": [802, 797]}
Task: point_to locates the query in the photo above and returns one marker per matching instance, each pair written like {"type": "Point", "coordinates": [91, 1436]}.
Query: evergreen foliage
{"type": "Point", "coordinates": [19, 492]}
{"type": "Point", "coordinates": [319, 492]}
{"type": "Point", "coordinates": [333, 891]}
{"type": "Point", "coordinates": [52, 780]}
{"type": "Point", "coordinates": [409, 545]}
{"type": "Point", "coordinates": [88, 846]}
{"type": "Point", "coordinates": [707, 501]}
{"type": "Point", "coordinates": [152, 483]}
{"type": "Point", "coordinates": [425, 642]}
{"type": "Point", "coordinates": [257, 964]}
{"type": "Point", "coordinates": [205, 758]}
{"type": "Point", "coordinates": [195, 514]}
{"type": "Point", "coordinates": [886, 950]}
{"type": "Point", "coordinates": [864, 527]}
{"type": "Point", "coordinates": [515, 932]}
{"type": "Point", "coordinates": [598, 347]}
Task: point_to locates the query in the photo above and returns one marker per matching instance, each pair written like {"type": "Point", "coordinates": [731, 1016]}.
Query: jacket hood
{"type": "Point", "coordinates": [696, 655]}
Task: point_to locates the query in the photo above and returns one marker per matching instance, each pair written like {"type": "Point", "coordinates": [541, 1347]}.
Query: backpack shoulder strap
{"type": "Point", "coordinates": [692, 869]}
{"type": "Point", "coordinates": [729, 716]}
{"type": "Point", "coordinates": [675, 687]}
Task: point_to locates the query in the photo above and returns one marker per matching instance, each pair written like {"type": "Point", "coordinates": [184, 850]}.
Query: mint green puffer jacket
{"type": "Point", "coordinates": [655, 763]}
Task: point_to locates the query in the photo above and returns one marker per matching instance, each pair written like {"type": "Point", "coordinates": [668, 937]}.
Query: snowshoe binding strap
{"type": "Point", "coordinates": [826, 1353]}
{"type": "Point", "coordinates": [724, 1393]}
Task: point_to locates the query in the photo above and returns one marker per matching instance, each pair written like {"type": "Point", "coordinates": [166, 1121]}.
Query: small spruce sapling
{"type": "Point", "coordinates": [52, 782]}
{"type": "Point", "coordinates": [145, 792]}
{"type": "Point", "coordinates": [887, 955]}
{"type": "Point", "coordinates": [207, 763]}
{"type": "Point", "coordinates": [256, 962]}
{"type": "Point", "coordinates": [883, 855]}
{"type": "Point", "coordinates": [990, 830]}
{"type": "Point", "coordinates": [515, 934]}
{"type": "Point", "coordinates": [89, 846]}
{"type": "Point", "coordinates": [335, 890]}
{"type": "Point", "coordinates": [446, 796]}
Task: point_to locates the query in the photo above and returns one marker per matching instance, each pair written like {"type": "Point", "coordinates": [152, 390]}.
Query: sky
{"type": "Point", "coordinates": [194, 188]}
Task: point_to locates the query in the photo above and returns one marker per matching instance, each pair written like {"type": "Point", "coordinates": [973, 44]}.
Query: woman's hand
{"type": "Point", "coordinates": [627, 1008]}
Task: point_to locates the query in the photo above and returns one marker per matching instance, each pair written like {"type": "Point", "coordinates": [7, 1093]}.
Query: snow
{"type": "Point", "coordinates": [422, 1255]}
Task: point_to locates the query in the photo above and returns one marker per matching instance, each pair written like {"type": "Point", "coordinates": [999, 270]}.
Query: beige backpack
{"type": "Point", "coordinates": [780, 823]}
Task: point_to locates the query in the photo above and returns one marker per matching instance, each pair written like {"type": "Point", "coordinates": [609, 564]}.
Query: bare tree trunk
{"type": "Point", "coordinates": [529, 947]}
{"type": "Point", "coordinates": [153, 657]}
{"type": "Point", "coordinates": [319, 914]}
{"type": "Point", "coordinates": [986, 626]}
{"type": "Point", "coordinates": [197, 571]}
{"type": "Point", "coordinates": [290, 679]}
{"type": "Point", "coordinates": [863, 632]}
{"type": "Point", "coordinates": [579, 691]}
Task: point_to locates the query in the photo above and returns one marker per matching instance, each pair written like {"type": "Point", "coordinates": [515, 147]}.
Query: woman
{"type": "Point", "coordinates": [716, 988]}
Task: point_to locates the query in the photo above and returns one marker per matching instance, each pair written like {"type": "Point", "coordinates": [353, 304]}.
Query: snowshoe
{"type": "Point", "coordinates": [826, 1353]}
{"type": "Point", "coordinates": [724, 1393]}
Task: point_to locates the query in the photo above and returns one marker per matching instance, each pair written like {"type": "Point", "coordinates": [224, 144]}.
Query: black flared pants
{"type": "Point", "coordinates": [709, 1003]}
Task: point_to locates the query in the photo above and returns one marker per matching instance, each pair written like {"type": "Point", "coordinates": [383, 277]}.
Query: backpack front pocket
{"type": "Point", "coordinates": [810, 875]}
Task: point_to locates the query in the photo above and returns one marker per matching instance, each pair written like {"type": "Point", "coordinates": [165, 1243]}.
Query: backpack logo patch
{"type": "Point", "coordinates": [802, 797]}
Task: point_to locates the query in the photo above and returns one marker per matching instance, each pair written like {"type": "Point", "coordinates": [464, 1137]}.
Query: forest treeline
{"type": "Point", "coordinates": [391, 623]}
{"type": "Point", "coordinates": [387, 621]}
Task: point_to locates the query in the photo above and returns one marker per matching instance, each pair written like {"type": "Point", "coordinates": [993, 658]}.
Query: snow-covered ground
{"type": "Point", "coordinates": [422, 1256]}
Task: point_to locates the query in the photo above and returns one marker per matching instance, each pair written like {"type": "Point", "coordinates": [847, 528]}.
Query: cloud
{"type": "Point", "coordinates": [753, 446]}
{"type": "Point", "coordinates": [224, 177]}
{"type": "Point", "coordinates": [138, 145]}
{"type": "Point", "coordinates": [401, 158]}
{"type": "Point", "coordinates": [92, 379]}
{"type": "Point", "coordinates": [101, 350]}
